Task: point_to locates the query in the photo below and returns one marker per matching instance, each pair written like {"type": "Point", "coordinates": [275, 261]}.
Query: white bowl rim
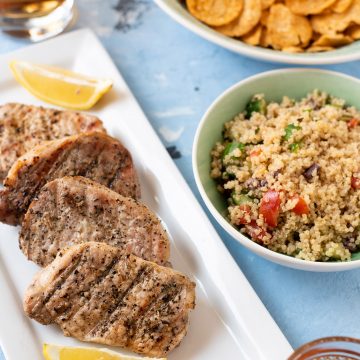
{"type": "Point", "coordinates": [251, 245]}
{"type": "Point", "coordinates": [253, 51]}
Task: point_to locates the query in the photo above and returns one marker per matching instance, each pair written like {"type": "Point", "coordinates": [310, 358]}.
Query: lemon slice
{"type": "Point", "coordinates": [59, 86]}
{"type": "Point", "coordinates": [55, 352]}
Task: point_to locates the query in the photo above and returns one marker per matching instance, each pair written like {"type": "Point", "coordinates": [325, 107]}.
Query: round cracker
{"type": "Point", "coordinates": [254, 36]}
{"type": "Point", "coordinates": [354, 11]}
{"type": "Point", "coordinates": [333, 40]}
{"type": "Point", "coordinates": [215, 12]}
{"type": "Point", "coordinates": [265, 4]}
{"type": "Point", "coordinates": [293, 49]}
{"type": "Point", "coordinates": [334, 23]}
{"type": "Point", "coordinates": [245, 22]}
{"type": "Point", "coordinates": [292, 30]}
{"type": "Point", "coordinates": [308, 7]}
{"type": "Point", "coordinates": [304, 29]}
{"type": "Point", "coordinates": [341, 6]}
{"type": "Point", "coordinates": [313, 48]}
{"type": "Point", "coordinates": [353, 31]}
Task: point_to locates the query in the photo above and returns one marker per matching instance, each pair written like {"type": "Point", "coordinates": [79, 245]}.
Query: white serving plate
{"type": "Point", "coordinates": [229, 320]}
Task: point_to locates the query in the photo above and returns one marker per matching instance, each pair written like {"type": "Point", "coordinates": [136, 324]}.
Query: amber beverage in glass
{"type": "Point", "coordinates": [330, 348]}
{"type": "Point", "coordinates": [35, 19]}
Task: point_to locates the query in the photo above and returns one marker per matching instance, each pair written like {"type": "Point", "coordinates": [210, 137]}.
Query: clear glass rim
{"type": "Point", "coordinates": [302, 349]}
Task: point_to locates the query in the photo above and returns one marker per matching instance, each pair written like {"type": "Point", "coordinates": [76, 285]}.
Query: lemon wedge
{"type": "Point", "coordinates": [55, 352]}
{"type": "Point", "coordinates": [60, 86]}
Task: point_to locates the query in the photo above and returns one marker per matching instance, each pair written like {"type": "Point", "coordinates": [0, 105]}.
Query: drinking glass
{"type": "Point", "coordinates": [35, 19]}
{"type": "Point", "coordinates": [330, 348]}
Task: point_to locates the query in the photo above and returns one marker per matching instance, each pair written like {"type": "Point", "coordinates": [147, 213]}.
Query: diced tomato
{"type": "Point", "coordinates": [353, 123]}
{"type": "Point", "coordinates": [270, 207]}
{"type": "Point", "coordinates": [301, 206]}
{"type": "Point", "coordinates": [256, 232]}
{"type": "Point", "coordinates": [246, 213]}
{"type": "Point", "coordinates": [255, 152]}
{"type": "Point", "coordinates": [355, 182]}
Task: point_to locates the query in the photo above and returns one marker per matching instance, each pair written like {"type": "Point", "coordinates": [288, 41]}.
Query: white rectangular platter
{"type": "Point", "coordinates": [229, 321]}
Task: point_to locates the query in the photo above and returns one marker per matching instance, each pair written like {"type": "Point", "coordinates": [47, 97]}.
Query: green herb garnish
{"type": "Point", "coordinates": [289, 131]}
{"type": "Point", "coordinates": [256, 104]}
{"type": "Point", "coordinates": [231, 147]}
{"type": "Point", "coordinates": [294, 147]}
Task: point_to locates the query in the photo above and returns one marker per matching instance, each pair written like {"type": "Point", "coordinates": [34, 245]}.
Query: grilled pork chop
{"type": "Point", "coordinates": [93, 155]}
{"type": "Point", "coordinates": [96, 293]}
{"type": "Point", "coordinates": [24, 126]}
{"type": "Point", "coordinates": [73, 210]}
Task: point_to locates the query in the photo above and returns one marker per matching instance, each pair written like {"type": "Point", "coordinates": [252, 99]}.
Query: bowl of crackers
{"type": "Point", "coordinates": [286, 31]}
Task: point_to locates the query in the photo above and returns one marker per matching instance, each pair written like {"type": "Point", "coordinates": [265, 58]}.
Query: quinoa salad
{"type": "Point", "coordinates": [291, 175]}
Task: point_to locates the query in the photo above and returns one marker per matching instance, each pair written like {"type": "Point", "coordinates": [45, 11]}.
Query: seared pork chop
{"type": "Point", "coordinates": [95, 293]}
{"type": "Point", "coordinates": [93, 155]}
{"type": "Point", "coordinates": [73, 210]}
{"type": "Point", "coordinates": [24, 126]}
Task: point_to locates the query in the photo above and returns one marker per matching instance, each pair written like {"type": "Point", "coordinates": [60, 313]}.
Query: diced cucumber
{"type": "Point", "coordinates": [240, 199]}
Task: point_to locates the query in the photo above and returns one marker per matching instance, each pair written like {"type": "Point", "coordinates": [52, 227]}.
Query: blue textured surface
{"type": "Point", "coordinates": [175, 76]}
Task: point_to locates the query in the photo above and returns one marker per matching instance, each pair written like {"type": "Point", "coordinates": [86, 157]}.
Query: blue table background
{"type": "Point", "coordinates": [175, 76]}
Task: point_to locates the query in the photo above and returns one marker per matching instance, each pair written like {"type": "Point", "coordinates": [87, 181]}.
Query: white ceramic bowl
{"type": "Point", "coordinates": [177, 11]}
{"type": "Point", "coordinates": [295, 83]}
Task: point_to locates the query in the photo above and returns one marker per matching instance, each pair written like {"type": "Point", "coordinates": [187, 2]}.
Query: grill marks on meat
{"type": "Point", "coordinates": [73, 210]}
{"type": "Point", "coordinates": [24, 126]}
{"type": "Point", "coordinates": [96, 155]}
{"type": "Point", "coordinates": [96, 293]}
{"type": "Point", "coordinates": [78, 188]}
